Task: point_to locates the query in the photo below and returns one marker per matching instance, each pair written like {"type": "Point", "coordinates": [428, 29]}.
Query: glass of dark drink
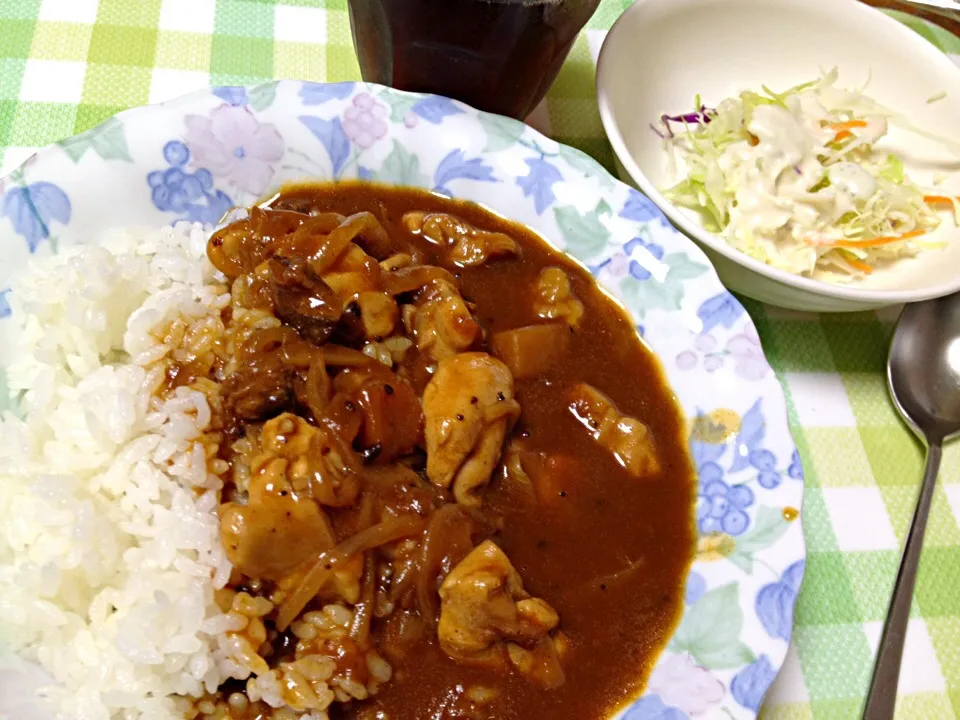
{"type": "Point", "coordinates": [497, 55]}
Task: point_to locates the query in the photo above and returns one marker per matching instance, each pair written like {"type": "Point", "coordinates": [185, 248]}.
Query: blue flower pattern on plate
{"type": "Point", "coordinates": [455, 166]}
{"type": "Point", "coordinates": [640, 208]}
{"type": "Point", "coordinates": [775, 602]}
{"type": "Point", "coordinates": [191, 196]}
{"type": "Point", "coordinates": [766, 462]}
{"type": "Point", "coordinates": [752, 429]}
{"type": "Point", "coordinates": [639, 259]}
{"type": "Point", "coordinates": [232, 95]}
{"type": "Point", "coordinates": [696, 587]}
{"type": "Point", "coordinates": [434, 108]}
{"type": "Point", "coordinates": [722, 507]}
{"type": "Point", "coordinates": [539, 183]}
{"type": "Point", "coordinates": [795, 470]}
{"type": "Point", "coordinates": [319, 93]}
{"type": "Point", "coordinates": [762, 460]}
{"type": "Point", "coordinates": [722, 309]}
{"type": "Point", "coordinates": [5, 310]}
{"type": "Point", "coordinates": [331, 135]}
{"type": "Point", "coordinates": [652, 707]}
{"type": "Point", "coordinates": [32, 208]}
{"type": "Point", "coordinates": [750, 684]}
{"type": "Point", "coordinates": [637, 268]}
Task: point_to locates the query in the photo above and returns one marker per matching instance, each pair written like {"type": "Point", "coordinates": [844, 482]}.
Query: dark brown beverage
{"type": "Point", "coordinates": [497, 55]}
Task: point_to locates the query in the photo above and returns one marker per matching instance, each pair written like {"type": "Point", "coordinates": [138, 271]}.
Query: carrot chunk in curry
{"type": "Point", "coordinates": [459, 486]}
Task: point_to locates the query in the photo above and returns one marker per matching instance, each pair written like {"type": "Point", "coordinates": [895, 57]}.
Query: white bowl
{"type": "Point", "coordinates": [660, 54]}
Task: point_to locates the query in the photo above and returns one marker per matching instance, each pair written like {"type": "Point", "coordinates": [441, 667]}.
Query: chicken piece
{"type": "Point", "coordinates": [344, 582]}
{"type": "Point", "coordinates": [467, 405]}
{"type": "Point", "coordinates": [271, 539]}
{"type": "Point", "coordinates": [443, 324]}
{"type": "Point", "coordinates": [320, 465]}
{"type": "Point", "coordinates": [283, 526]}
{"type": "Point", "coordinates": [328, 471]}
{"type": "Point", "coordinates": [627, 438]}
{"type": "Point", "coordinates": [353, 273]}
{"type": "Point", "coordinates": [555, 299]}
{"type": "Point", "coordinates": [469, 246]}
{"type": "Point", "coordinates": [314, 468]}
{"type": "Point", "coordinates": [483, 605]}
{"type": "Point", "coordinates": [541, 665]}
{"type": "Point", "coordinates": [378, 312]}
{"type": "Point", "coordinates": [278, 529]}
{"type": "Point", "coordinates": [538, 477]}
{"type": "Point", "coordinates": [287, 436]}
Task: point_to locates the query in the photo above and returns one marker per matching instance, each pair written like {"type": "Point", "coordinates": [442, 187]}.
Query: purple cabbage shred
{"type": "Point", "coordinates": [703, 116]}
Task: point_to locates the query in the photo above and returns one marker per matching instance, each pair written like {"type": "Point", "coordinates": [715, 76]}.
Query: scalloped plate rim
{"type": "Point", "coordinates": [795, 547]}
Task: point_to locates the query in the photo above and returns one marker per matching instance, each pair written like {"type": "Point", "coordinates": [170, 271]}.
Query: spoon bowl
{"type": "Point", "coordinates": [924, 367]}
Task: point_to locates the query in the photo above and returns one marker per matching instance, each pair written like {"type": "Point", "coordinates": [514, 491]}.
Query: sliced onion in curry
{"type": "Point", "coordinates": [363, 610]}
{"type": "Point", "coordinates": [359, 225]}
{"type": "Point", "coordinates": [413, 278]}
{"type": "Point", "coordinates": [382, 533]}
{"type": "Point", "coordinates": [341, 356]}
{"type": "Point", "coordinates": [317, 386]}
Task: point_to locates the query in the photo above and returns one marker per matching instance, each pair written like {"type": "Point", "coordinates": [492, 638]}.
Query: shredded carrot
{"type": "Point", "coordinates": [877, 241]}
{"type": "Point", "coordinates": [843, 128]}
{"type": "Point", "coordinates": [753, 139]}
{"type": "Point", "coordinates": [939, 200]}
{"type": "Point", "coordinates": [848, 125]}
{"type": "Point", "coordinates": [859, 265]}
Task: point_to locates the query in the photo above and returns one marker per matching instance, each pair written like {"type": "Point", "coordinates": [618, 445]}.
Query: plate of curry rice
{"type": "Point", "coordinates": [335, 402]}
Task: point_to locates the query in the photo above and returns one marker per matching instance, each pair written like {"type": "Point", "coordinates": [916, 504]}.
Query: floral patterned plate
{"type": "Point", "coordinates": [195, 157]}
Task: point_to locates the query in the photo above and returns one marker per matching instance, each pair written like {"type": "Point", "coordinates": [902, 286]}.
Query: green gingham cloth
{"type": "Point", "coordinates": [65, 65]}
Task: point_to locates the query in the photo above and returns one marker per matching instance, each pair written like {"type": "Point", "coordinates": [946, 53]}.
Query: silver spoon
{"type": "Point", "coordinates": [924, 376]}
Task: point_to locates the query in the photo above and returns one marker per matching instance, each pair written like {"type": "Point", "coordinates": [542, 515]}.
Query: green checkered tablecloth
{"type": "Point", "coordinates": [65, 65]}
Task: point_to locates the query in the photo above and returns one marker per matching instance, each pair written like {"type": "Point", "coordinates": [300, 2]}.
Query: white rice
{"type": "Point", "coordinates": [109, 541]}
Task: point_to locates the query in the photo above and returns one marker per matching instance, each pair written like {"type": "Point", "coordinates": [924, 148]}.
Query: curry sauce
{"type": "Point", "coordinates": [443, 377]}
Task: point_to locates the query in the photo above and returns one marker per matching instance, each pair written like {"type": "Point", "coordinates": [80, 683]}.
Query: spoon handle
{"type": "Point", "coordinates": [882, 697]}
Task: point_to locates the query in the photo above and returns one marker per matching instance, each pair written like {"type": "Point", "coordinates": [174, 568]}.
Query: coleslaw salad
{"type": "Point", "coordinates": [795, 179]}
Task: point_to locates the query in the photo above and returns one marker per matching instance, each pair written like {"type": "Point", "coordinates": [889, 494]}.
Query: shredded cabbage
{"type": "Point", "coordinates": [794, 179]}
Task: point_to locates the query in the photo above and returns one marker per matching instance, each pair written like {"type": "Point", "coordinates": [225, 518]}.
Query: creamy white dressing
{"type": "Point", "coordinates": [788, 178]}
{"type": "Point", "coordinates": [850, 178]}
{"type": "Point", "coordinates": [774, 176]}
